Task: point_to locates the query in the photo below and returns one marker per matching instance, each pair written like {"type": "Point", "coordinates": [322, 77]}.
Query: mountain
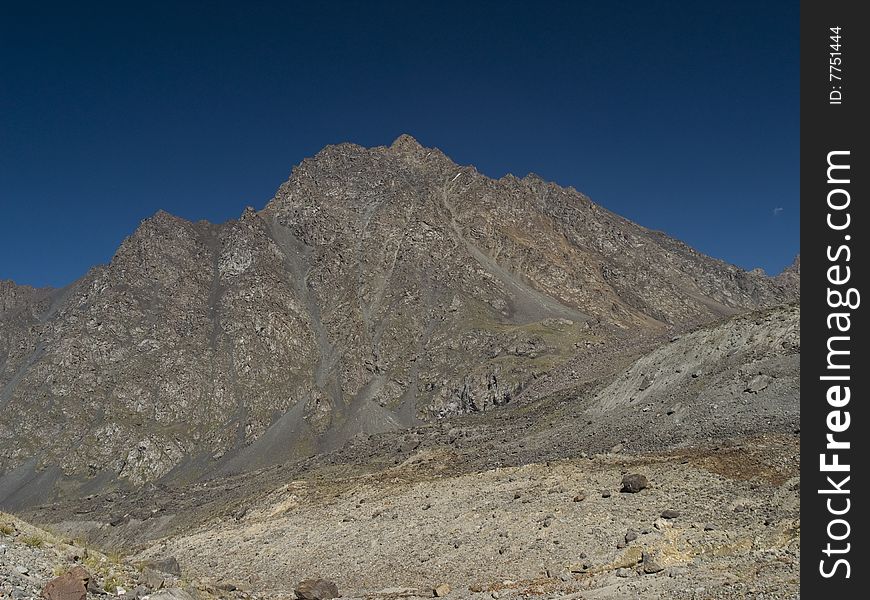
{"type": "Point", "coordinates": [380, 288]}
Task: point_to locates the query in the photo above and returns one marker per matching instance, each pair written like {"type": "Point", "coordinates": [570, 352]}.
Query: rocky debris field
{"type": "Point", "coordinates": [38, 564]}
{"type": "Point", "coordinates": [706, 522]}
{"type": "Point", "coordinates": [675, 474]}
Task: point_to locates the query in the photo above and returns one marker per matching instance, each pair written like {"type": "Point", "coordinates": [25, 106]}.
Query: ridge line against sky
{"type": "Point", "coordinates": [679, 116]}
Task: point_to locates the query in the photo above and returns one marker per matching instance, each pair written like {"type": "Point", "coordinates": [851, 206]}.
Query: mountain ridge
{"type": "Point", "coordinates": [380, 287]}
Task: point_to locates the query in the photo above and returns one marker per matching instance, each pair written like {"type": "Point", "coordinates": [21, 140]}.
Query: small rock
{"type": "Point", "coordinates": [651, 563]}
{"type": "Point", "coordinates": [630, 536]}
{"type": "Point", "coordinates": [580, 497]}
{"type": "Point", "coordinates": [623, 572]}
{"type": "Point", "coordinates": [441, 591]}
{"type": "Point", "coordinates": [758, 383]}
{"type": "Point", "coordinates": [140, 590]}
{"type": "Point", "coordinates": [316, 589]}
{"type": "Point", "coordinates": [21, 570]}
{"type": "Point", "coordinates": [670, 514]}
{"type": "Point", "coordinates": [633, 483]}
{"type": "Point", "coordinates": [151, 578]}
{"type": "Point", "coordinates": [227, 586]}
{"type": "Point", "coordinates": [116, 520]}
{"type": "Point", "coordinates": [171, 594]}
{"type": "Point", "coordinates": [709, 527]}
{"type": "Point", "coordinates": [605, 493]}
{"type": "Point", "coordinates": [676, 572]}
{"type": "Point", "coordinates": [94, 587]}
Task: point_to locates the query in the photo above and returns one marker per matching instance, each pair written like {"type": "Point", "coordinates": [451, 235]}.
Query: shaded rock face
{"type": "Point", "coordinates": [167, 565]}
{"type": "Point", "coordinates": [379, 287]}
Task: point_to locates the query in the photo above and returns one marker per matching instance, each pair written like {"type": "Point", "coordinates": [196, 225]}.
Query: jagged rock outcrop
{"type": "Point", "coordinates": [378, 288]}
{"type": "Point", "coordinates": [791, 275]}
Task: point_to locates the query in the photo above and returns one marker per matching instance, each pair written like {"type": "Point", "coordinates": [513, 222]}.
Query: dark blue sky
{"type": "Point", "coordinates": [682, 116]}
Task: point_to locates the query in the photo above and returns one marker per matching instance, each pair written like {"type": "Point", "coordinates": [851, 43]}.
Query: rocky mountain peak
{"type": "Point", "coordinates": [406, 143]}
{"type": "Point", "coordinates": [380, 288]}
{"type": "Point", "coordinates": [791, 275]}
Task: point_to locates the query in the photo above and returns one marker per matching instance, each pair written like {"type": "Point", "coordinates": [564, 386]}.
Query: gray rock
{"type": "Point", "coordinates": [171, 594]}
{"type": "Point", "coordinates": [152, 578]}
{"type": "Point", "coordinates": [651, 563]}
{"type": "Point", "coordinates": [633, 483]}
{"type": "Point", "coordinates": [758, 383]}
{"type": "Point", "coordinates": [168, 565]}
{"type": "Point", "coordinates": [316, 589]}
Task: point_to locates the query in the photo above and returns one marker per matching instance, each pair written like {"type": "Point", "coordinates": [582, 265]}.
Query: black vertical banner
{"type": "Point", "coordinates": [835, 64]}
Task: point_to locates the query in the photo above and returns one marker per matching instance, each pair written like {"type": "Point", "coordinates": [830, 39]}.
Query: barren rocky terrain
{"type": "Point", "coordinates": [409, 380]}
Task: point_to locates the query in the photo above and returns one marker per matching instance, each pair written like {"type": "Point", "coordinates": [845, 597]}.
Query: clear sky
{"type": "Point", "coordinates": [682, 116]}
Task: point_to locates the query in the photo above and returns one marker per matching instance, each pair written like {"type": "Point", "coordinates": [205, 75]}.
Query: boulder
{"type": "Point", "coordinates": [316, 589]}
{"type": "Point", "coordinates": [652, 563]}
{"type": "Point", "coordinates": [72, 585]}
{"type": "Point", "coordinates": [152, 578]}
{"type": "Point", "coordinates": [758, 383]}
{"type": "Point", "coordinates": [633, 483]}
{"type": "Point", "coordinates": [164, 565]}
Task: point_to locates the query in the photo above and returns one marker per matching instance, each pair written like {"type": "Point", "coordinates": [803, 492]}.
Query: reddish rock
{"type": "Point", "coordinates": [72, 585]}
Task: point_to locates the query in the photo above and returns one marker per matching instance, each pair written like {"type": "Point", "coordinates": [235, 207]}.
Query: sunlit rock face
{"type": "Point", "coordinates": [378, 288]}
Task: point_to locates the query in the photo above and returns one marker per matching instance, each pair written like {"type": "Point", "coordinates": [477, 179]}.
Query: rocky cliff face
{"type": "Point", "coordinates": [379, 288]}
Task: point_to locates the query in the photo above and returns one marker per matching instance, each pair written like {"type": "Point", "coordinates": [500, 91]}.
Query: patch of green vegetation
{"type": "Point", "coordinates": [7, 528]}
{"type": "Point", "coordinates": [111, 584]}
{"type": "Point", "coordinates": [33, 541]}
{"type": "Point", "coordinates": [95, 563]}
